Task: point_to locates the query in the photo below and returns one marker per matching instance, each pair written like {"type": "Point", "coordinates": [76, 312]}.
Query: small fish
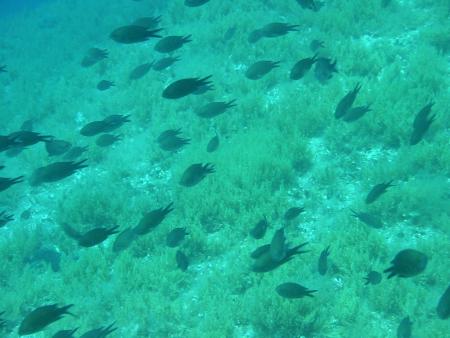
{"type": "Point", "coordinates": [184, 87]}
{"type": "Point", "coordinates": [65, 333]}
{"type": "Point", "coordinates": [93, 56]}
{"type": "Point", "coordinates": [175, 237]}
{"type": "Point", "coordinates": [47, 255]}
{"type": "Point", "coordinates": [260, 68]}
{"type": "Point", "coordinates": [7, 142]}
{"type": "Point", "coordinates": [346, 102]}
{"type": "Point", "coordinates": [152, 219]}
{"type": "Point", "coordinates": [96, 236]}
{"type": "Point", "coordinates": [302, 67]}
{"type": "Point", "coordinates": [422, 123]}
{"type": "Point", "coordinates": [171, 43]}
{"type": "Point", "coordinates": [213, 144]}
{"type": "Point", "coordinates": [293, 213]}
{"type": "Point", "coordinates": [107, 140]}
{"type": "Point", "coordinates": [405, 328]}
{"type": "Point", "coordinates": [5, 218]}
{"type": "Point", "coordinates": [214, 109]}
{"type": "Point", "coordinates": [195, 173]}
{"type": "Point", "coordinates": [55, 172]}
{"type": "Point", "coordinates": [195, 3]}
{"type": "Point", "coordinates": [324, 69]}
{"type": "Point", "coordinates": [133, 34]}
{"type": "Point", "coordinates": [276, 29]}
{"type": "Point", "coordinates": [149, 22]}
{"type": "Point", "coordinates": [104, 85]}
{"type": "Point", "coordinates": [368, 219]}
{"type": "Point", "coordinates": [264, 261]}
{"type": "Point", "coordinates": [57, 147]}
{"type": "Point", "coordinates": [377, 191]}
{"type": "Point", "coordinates": [108, 124]}
{"type": "Point", "coordinates": [41, 317]}
{"type": "Point", "coordinates": [373, 277]}
{"type": "Point", "coordinates": [6, 183]}
{"type": "Point", "coordinates": [100, 332]}
{"type": "Point", "coordinates": [140, 71]}
{"type": "Point", "coordinates": [170, 140]}
{"type": "Point", "coordinates": [182, 260]}
{"type": "Point", "coordinates": [407, 263]}
{"type": "Point", "coordinates": [278, 246]}
{"type": "Point", "coordinates": [443, 307]}
{"type": "Point", "coordinates": [259, 230]}
{"type": "Point", "coordinates": [322, 266]}
{"type": "Point", "coordinates": [166, 62]}
{"type": "Point", "coordinates": [315, 45]}
{"type": "Point", "coordinates": [26, 138]}
{"type": "Point", "coordinates": [294, 291]}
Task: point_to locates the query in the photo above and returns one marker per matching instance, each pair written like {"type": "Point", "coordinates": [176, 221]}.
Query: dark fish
{"type": "Point", "coordinates": [5, 182]}
{"type": "Point", "coordinates": [315, 45]}
{"type": "Point", "coordinates": [170, 140]}
{"type": "Point", "coordinates": [278, 246]}
{"type": "Point", "coordinates": [41, 317]}
{"type": "Point", "coordinates": [3, 69]}
{"type": "Point", "coordinates": [107, 140]}
{"type": "Point", "coordinates": [164, 63]}
{"type": "Point", "coordinates": [93, 56]}
{"type": "Point", "coordinates": [373, 277]}
{"type": "Point", "coordinates": [377, 191]}
{"type": "Point", "coordinates": [302, 67]}
{"type": "Point", "coordinates": [276, 29]}
{"type": "Point", "coordinates": [124, 240]}
{"type": "Point", "coordinates": [260, 68]}
{"type": "Point", "coordinates": [443, 307]}
{"type": "Point", "coordinates": [293, 213]}
{"type": "Point", "coordinates": [184, 87]}
{"type": "Point", "coordinates": [309, 4]}
{"type": "Point", "coordinates": [149, 22]}
{"type": "Point", "coordinates": [324, 69]}
{"type": "Point", "coordinates": [26, 138]}
{"type": "Point", "coordinates": [405, 328]}
{"type": "Point", "coordinates": [96, 236]}
{"type": "Point", "coordinates": [195, 3]}
{"type": "Point", "coordinates": [255, 36]}
{"type": "Point", "coordinates": [55, 172]}
{"type": "Point", "coordinates": [407, 263]}
{"type": "Point", "coordinates": [171, 43]}
{"type": "Point", "coordinates": [322, 265]}
{"type": "Point", "coordinates": [346, 102]}
{"type": "Point", "coordinates": [175, 237]}
{"type": "Point", "coordinates": [75, 152]}
{"type": "Point", "coordinates": [293, 291]}
{"type": "Point", "coordinates": [140, 71]}
{"type": "Point", "coordinates": [259, 230]}
{"type": "Point", "coordinates": [196, 173]}
{"type": "Point", "coordinates": [230, 33]}
{"type": "Point", "coordinates": [65, 333]}
{"type": "Point", "coordinates": [263, 258]}
{"type": "Point", "coordinates": [182, 260]}
{"type": "Point", "coordinates": [152, 219]}
{"type": "Point", "coordinates": [5, 218]}
{"type": "Point", "coordinates": [100, 332]}
{"type": "Point", "coordinates": [213, 144]}
{"type": "Point", "coordinates": [47, 255]}
{"type": "Point", "coordinates": [133, 34]}
{"type": "Point", "coordinates": [356, 113]}
{"type": "Point", "coordinates": [7, 142]}
{"type": "Point", "coordinates": [368, 219]}
{"type": "Point", "coordinates": [57, 147]}
{"type": "Point", "coordinates": [104, 85]}
{"type": "Point", "coordinates": [108, 124]}
{"type": "Point", "coordinates": [422, 123]}
{"type": "Point", "coordinates": [213, 109]}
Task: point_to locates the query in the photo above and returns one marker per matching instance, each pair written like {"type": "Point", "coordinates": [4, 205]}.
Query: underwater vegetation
{"type": "Point", "coordinates": [197, 169]}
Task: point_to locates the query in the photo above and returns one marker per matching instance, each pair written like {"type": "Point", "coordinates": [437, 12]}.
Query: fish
{"type": "Point", "coordinates": [41, 317]}
{"type": "Point", "coordinates": [322, 265]}
{"type": "Point", "coordinates": [315, 45]}
{"type": "Point", "coordinates": [302, 67]}
{"type": "Point", "coordinates": [96, 236]}
{"type": "Point", "coordinates": [104, 85]}
{"type": "Point", "coordinates": [276, 29]}
{"type": "Point", "coordinates": [107, 140]}
{"type": "Point", "coordinates": [377, 191]}
{"type": "Point", "coordinates": [404, 329]}
{"type": "Point", "coordinates": [214, 109]}
{"type": "Point", "coordinates": [187, 86]}
{"type": "Point", "coordinates": [152, 219]}
{"type": "Point", "coordinates": [108, 124]}
{"type": "Point", "coordinates": [6, 182]}
{"type": "Point", "coordinates": [65, 333]}
{"type": "Point", "coordinates": [213, 144]}
{"type": "Point", "coordinates": [166, 62]}
{"type": "Point", "coordinates": [293, 213]}
{"type": "Point", "coordinates": [171, 43]}
{"type": "Point", "coordinates": [278, 247]}
{"type": "Point", "coordinates": [324, 69]}
{"type": "Point", "coordinates": [195, 173]}
{"type": "Point", "coordinates": [422, 123]}
{"type": "Point", "coordinates": [175, 237]}
{"type": "Point", "coordinates": [5, 218]}
{"type": "Point", "coordinates": [294, 291]}
{"type": "Point", "coordinates": [93, 56]}
{"type": "Point", "coordinates": [443, 307]}
{"type": "Point", "coordinates": [57, 147]}
{"type": "Point", "coordinates": [182, 260]}
{"type": "Point", "coordinates": [149, 22]}
{"type": "Point", "coordinates": [195, 3]}
{"type": "Point", "coordinates": [170, 140]}
{"type": "Point", "coordinates": [368, 219]}
{"type": "Point", "coordinates": [24, 138]}
{"type": "Point", "coordinates": [100, 332]}
{"type": "Point", "coordinates": [346, 102]}
{"type": "Point", "coordinates": [373, 277]}
{"type": "Point", "coordinates": [140, 71]}
{"type": "Point", "coordinates": [55, 172]}
{"type": "Point", "coordinates": [133, 34]}
{"type": "Point", "coordinates": [264, 261]}
{"type": "Point", "coordinates": [47, 255]}
{"type": "Point", "coordinates": [7, 142]}
{"type": "Point", "coordinates": [260, 68]}
{"type": "Point", "coordinates": [407, 263]}
{"type": "Point", "coordinates": [260, 228]}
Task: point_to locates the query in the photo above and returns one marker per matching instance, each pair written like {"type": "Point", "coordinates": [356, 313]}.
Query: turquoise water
{"type": "Point", "coordinates": [282, 144]}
